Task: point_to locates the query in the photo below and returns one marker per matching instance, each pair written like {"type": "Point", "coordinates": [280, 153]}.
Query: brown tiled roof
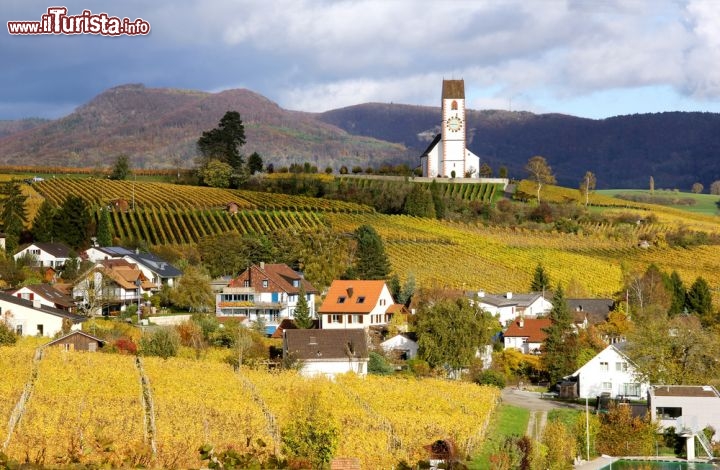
{"type": "Point", "coordinates": [52, 294]}
{"type": "Point", "coordinates": [326, 344]}
{"type": "Point", "coordinates": [532, 329]}
{"type": "Point", "coordinates": [125, 274]}
{"type": "Point", "coordinates": [684, 391]}
{"type": "Point", "coordinates": [280, 277]}
{"type": "Point", "coordinates": [352, 296]}
{"type": "Point", "coordinates": [453, 89]}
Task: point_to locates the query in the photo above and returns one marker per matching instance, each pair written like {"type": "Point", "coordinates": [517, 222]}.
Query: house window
{"type": "Point", "coordinates": [66, 346]}
{"type": "Point", "coordinates": [39, 330]}
{"type": "Point", "coordinates": [265, 283]}
{"type": "Point", "coordinates": [358, 319]}
{"type": "Point", "coordinates": [296, 283]}
{"type": "Point", "coordinates": [607, 385]}
{"type": "Point", "coordinates": [337, 319]}
{"type": "Point", "coordinates": [604, 366]}
{"type": "Point", "coordinates": [631, 390]}
{"type": "Point", "coordinates": [360, 299]}
{"type": "Point", "coordinates": [621, 366]}
{"type": "Point", "coordinates": [350, 319]}
{"type": "Point", "coordinates": [525, 340]}
{"type": "Point", "coordinates": [453, 105]}
{"type": "Point", "coordinates": [668, 412]}
{"type": "Point", "coordinates": [341, 299]}
{"type": "Point", "coordinates": [292, 298]}
{"type": "Point", "coordinates": [382, 302]}
{"type": "Point", "coordinates": [246, 283]}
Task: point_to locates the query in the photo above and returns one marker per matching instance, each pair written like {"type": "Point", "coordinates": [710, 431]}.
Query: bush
{"type": "Point", "coordinates": [7, 335]}
{"type": "Point", "coordinates": [490, 377]}
{"type": "Point", "coordinates": [378, 365]}
{"type": "Point", "coordinates": [163, 342]}
{"type": "Point", "coordinates": [419, 367]}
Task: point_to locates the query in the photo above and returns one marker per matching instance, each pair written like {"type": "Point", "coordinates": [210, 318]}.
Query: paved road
{"type": "Point", "coordinates": [532, 400]}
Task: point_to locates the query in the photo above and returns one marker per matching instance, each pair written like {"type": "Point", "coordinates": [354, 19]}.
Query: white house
{"type": "Point", "coordinates": [47, 295]}
{"type": "Point", "coordinates": [111, 285]}
{"type": "Point", "coordinates": [507, 307]}
{"type": "Point", "coordinates": [52, 255]}
{"type": "Point", "coordinates": [526, 334]}
{"type": "Point", "coordinates": [155, 269]}
{"type": "Point", "coordinates": [26, 317]}
{"type": "Point", "coordinates": [403, 345]}
{"type": "Point", "coordinates": [267, 291]}
{"type": "Point", "coordinates": [356, 304]}
{"type": "Point", "coordinates": [610, 371]}
{"type": "Point", "coordinates": [327, 352]}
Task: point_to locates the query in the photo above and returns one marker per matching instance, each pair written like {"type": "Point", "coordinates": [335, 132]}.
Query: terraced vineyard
{"type": "Point", "coordinates": [87, 408]}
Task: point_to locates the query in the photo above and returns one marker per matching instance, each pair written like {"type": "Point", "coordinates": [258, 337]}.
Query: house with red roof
{"type": "Point", "coordinates": [267, 291]}
{"type": "Point", "coordinates": [357, 304]}
{"type": "Point", "coordinates": [526, 334]}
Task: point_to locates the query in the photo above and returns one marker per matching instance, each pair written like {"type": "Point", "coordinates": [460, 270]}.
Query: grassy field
{"type": "Point", "coordinates": [507, 421]}
{"type": "Point", "coordinates": [704, 203]}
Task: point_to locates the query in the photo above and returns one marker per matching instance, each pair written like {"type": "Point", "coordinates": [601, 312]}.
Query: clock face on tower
{"type": "Point", "coordinates": [454, 124]}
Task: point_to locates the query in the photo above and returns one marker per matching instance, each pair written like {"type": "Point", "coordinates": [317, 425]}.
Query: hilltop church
{"type": "Point", "coordinates": [448, 155]}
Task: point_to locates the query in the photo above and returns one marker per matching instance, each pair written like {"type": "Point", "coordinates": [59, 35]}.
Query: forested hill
{"type": "Point", "coordinates": [677, 148]}
{"type": "Point", "coordinates": [158, 128]}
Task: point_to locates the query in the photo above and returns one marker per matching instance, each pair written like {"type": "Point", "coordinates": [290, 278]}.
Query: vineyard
{"type": "Point", "coordinates": [467, 256]}
{"type": "Point", "coordinates": [89, 408]}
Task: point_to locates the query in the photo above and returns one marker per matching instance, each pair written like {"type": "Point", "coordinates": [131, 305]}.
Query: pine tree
{"type": "Point", "coordinates": [43, 224]}
{"type": "Point", "coordinates": [560, 347]}
{"type": "Point", "coordinates": [14, 215]}
{"type": "Point", "coordinates": [371, 261]}
{"type": "Point", "coordinates": [699, 302]}
{"type": "Point", "coordinates": [541, 280]}
{"type": "Point", "coordinates": [72, 222]}
{"type": "Point", "coordinates": [121, 169]}
{"type": "Point", "coordinates": [677, 294]}
{"type": "Point", "coordinates": [303, 320]}
{"type": "Point", "coordinates": [103, 232]}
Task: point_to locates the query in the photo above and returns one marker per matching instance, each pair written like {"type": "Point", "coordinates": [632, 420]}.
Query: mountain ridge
{"type": "Point", "coordinates": [158, 128]}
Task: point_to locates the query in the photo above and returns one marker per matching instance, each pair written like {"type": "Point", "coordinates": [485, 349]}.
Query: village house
{"type": "Point", "coordinates": [27, 317]}
{"type": "Point", "coordinates": [265, 291]}
{"type": "Point", "coordinates": [402, 346]}
{"type": "Point", "coordinates": [53, 255]}
{"type": "Point", "coordinates": [526, 334]}
{"type": "Point", "coordinates": [588, 312]}
{"type": "Point", "coordinates": [158, 271]}
{"type": "Point", "coordinates": [47, 295]}
{"type": "Point", "coordinates": [356, 304]}
{"type": "Point", "coordinates": [507, 307]}
{"type": "Point", "coordinates": [327, 352]}
{"type": "Point", "coordinates": [609, 372]}
{"type": "Point", "coordinates": [110, 285]}
{"type": "Point", "coordinates": [77, 341]}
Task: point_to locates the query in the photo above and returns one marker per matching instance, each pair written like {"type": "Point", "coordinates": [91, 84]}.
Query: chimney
{"type": "Point", "coordinates": [521, 321]}
{"type": "Point", "coordinates": [508, 295]}
{"type": "Point", "coordinates": [350, 291]}
{"type": "Point", "coordinates": [262, 264]}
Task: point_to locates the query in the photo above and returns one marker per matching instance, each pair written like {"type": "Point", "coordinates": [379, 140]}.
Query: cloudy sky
{"type": "Point", "coordinates": [590, 58]}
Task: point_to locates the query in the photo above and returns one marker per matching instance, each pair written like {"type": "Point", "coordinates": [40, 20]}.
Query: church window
{"type": "Point", "coordinates": [453, 105]}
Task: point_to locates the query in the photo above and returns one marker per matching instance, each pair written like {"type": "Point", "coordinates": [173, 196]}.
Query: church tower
{"type": "Point", "coordinates": [448, 155]}
{"type": "Point", "coordinates": [453, 128]}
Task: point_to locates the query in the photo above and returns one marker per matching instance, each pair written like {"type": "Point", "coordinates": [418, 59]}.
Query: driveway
{"type": "Point", "coordinates": [532, 400]}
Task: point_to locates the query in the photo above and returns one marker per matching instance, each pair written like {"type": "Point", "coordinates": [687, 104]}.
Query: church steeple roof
{"type": "Point", "coordinates": [453, 89]}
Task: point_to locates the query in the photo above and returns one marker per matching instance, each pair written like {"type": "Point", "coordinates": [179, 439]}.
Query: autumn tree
{"type": "Point", "coordinates": [485, 170]}
{"type": "Point", "coordinates": [451, 330]}
{"type": "Point", "coordinates": [540, 172]}
{"type": "Point", "coordinates": [14, 214]}
{"type": "Point", "coordinates": [216, 174]}
{"type": "Point", "coordinates": [715, 187]}
{"type": "Point", "coordinates": [560, 346]}
{"type": "Point", "coordinates": [193, 291]}
{"type": "Point", "coordinates": [674, 351]}
{"type": "Point", "coordinates": [697, 188]}
{"type": "Point", "coordinates": [621, 433]}
{"type": "Point", "coordinates": [652, 185]}
{"type": "Point", "coordinates": [419, 202]}
{"type": "Point", "coordinates": [560, 444]}
{"type": "Point", "coordinates": [647, 293]}
{"type": "Point", "coordinates": [587, 185]}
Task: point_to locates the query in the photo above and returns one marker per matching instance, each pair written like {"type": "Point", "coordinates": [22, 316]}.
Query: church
{"type": "Point", "coordinates": [448, 155]}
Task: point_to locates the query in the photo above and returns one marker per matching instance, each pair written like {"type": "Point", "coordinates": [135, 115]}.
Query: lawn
{"type": "Point", "coordinates": [508, 421]}
{"type": "Point", "coordinates": [704, 203]}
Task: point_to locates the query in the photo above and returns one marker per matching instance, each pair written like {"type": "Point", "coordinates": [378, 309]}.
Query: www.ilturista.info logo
{"type": "Point", "coordinates": [57, 21]}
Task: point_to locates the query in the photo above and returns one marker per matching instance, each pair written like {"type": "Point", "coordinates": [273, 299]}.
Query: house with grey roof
{"type": "Point", "coordinates": [48, 254]}
{"type": "Point", "coordinates": [327, 352]}
{"type": "Point", "coordinates": [508, 306]}
{"type": "Point", "coordinates": [157, 270]}
{"type": "Point", "coordinates": [47, 295]}
{"type": "Point", "coordinates": [588, 312]}
{"type": "Point", "coordinates": [27, 317]}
